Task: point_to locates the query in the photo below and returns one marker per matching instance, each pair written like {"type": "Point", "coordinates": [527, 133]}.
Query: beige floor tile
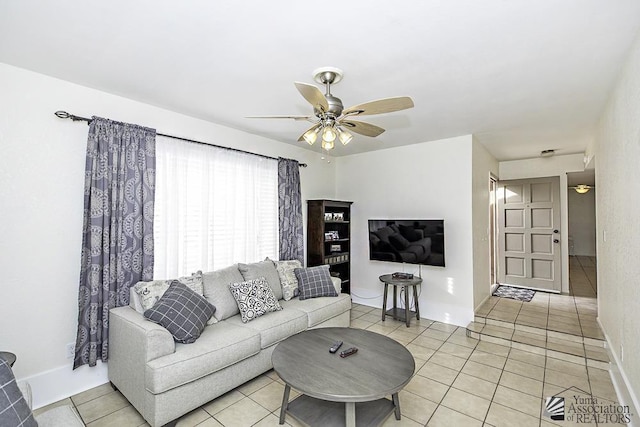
{"type": "Point", "coordinates": [445, 417]}
{"type": "Point", "coordinates": [466, 403]}
{"type": "Point", "coordinates": [415, 407]}
{"type": "Point", "coordinates": [105, 405]}
{"type": "Point", "coordinates": [254, 385]}
{"type": "Point", "coordinates": [420, 352]}
{"type": "Point", "coordinates": [444, 327]}
{"type": "Point", "coordinates": [520, 383]}
{"type": "Point", "coordinates": [456, 350]}
{"type": "Point", "coordinates": [476, 386]}
{"type": "Point", "coordinates": [125, 417]}
{"type": "Point", "coordinates": [438, 373]}
{"type": "Point", "coordinates": [382, 328]}
{"type": "Point", "coordinates": [371, 317]}
{"type": "Point", "coordinates": [212, 422]}
{"type": "Point", "coordinates": [566, 380]}
{"type": "Point", "coordinates": [435, 333]}
{"type": "Point", "coordinates": [270, 396]}
{"type": "Point", "coordinates": [463, 341]}
{"type": "Point", "coordinates": [488, 347]}
{"type": "Point", "coordinates": [603, 389]}
{"type": "Point", "coordinates": [223, 402]}
{"type": "Point", "coordinates": [62, 402]}
{"type": "Point", "coordinates": [403, 422]}
{"type": "Point", "coordinates": [360, 324]}
{"type": "Point", "coordinates": [91, 394]}
{"type": "Point", "coordinates": [245, 412]}
{"type": "Point", "coordinates": [500, 416]}
{"type": "Point", "coordinates": [498, 332]}
{"type": "Point", "coordinates": [566, 367]}
{"type": "Point", "coordinates": [193, 418]}
{"type": "Point", "coordinates": [404, 334]}
{"type": "Point", "coordinates": [518, 400]}
{"type": "Point", "coordinates": [426, 388]}
{"type": "Point", "coordinates": [270, 420]}
{"type": "Point", "coordinates": [527, 357]}
{"type": "Point", "coordinates": [448, 360]}
{"type": "Point", "coordinates": [428, 342]}
{"type": "Point", "coordinates": [488, 359]}
{"type": "Point", "coordinates": [525, 369]}
{"type": "Point", "coordinates": [484, 372]}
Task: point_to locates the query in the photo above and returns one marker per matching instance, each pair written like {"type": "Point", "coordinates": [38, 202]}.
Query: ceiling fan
{"type": "Point", "coordinates": [330, 119]}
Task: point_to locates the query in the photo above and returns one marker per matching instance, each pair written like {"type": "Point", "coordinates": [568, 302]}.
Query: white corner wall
{"type": "Point", "coordinates": [617, 155]}
{"type": "Point", "coordinates": [543, 167]}
{"type": "Point", "coordinates": [41, 187]}
{"type": "Point", "coordinates": [484, 164]}
{"type": "Point", "coordinates": [430, 180]}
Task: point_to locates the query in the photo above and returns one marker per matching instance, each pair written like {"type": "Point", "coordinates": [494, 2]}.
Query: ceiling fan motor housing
{"type": "Point", "coordinates": [335, 107]}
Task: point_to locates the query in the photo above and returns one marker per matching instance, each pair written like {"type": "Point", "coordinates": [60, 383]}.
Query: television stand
{"type": "Point", "coordinates": [400, 314]}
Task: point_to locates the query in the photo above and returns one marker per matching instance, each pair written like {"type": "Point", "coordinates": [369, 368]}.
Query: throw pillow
{"type": "Point", "coordinates": [182, 312]}
{"type": "Point", "coordinates": [315, 282]}
{"type": "Point", "coordinates": [264, 269]}
{"type": "Point", "coordinates": [398, 242]}
{"type": "Point", "coordinates": [150, 292]}
{"type": "Point", "coordinates": [216, 291]}
{"type": "Point", "coordinates": [288, 278]}
{"type": "Point", "coordinates": [14, 410]}
{"type": "Point", "coordinates": [254, 298]}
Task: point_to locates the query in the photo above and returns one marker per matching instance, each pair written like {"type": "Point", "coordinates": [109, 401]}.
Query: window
{"type": "Point", "coordinates": [213, 207]}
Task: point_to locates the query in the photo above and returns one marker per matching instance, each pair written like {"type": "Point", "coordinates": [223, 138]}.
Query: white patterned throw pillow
{"type": "Point", "coordinates": [254, 298]}
{"type": "Point", "coordinates": [150, 292]}
{"type": "Point", "coordinates": [288, 278]}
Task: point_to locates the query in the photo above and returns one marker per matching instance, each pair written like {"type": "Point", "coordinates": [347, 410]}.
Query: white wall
{"type": "Point", "coordinates": [42, 163]}
{"type": "Point", "coordinates": [618, 209]}
{"type": "Point", "coordinates": [484, 164]}
{"type": "Point", "coordinates": [424, 181]}
{"type": "Point", "coordinates": [544, 167]}
{"type": "Point", "coordinates": [582, 222]}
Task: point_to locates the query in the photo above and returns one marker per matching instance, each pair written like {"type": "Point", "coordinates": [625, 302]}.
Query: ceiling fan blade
{"type": "Point", "coordinates": [362, 128]}
{"type": "Point", "coordinates": [312, 94]}
{"type": "Point", "coordinates": [386, 105]}
{"type": "Point", "coordinates": [280, 117]}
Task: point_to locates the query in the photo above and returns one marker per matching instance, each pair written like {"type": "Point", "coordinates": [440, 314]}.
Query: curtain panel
{"type": "Point", "coordinates": [117, 236]}
{"type": "Point", "coordinates": [290, 211]}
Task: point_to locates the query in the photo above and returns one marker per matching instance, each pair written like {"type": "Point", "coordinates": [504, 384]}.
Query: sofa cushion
{"type": "Point", "coordinates": [409, 233]}
{"type": "Point", "coordinates": [319, 309]}
{"type": "Point", "coordinates": [182, 312]}
{"type": "Point", "coordinates": [288, 279]}
{"type": "Point", "coordinates": [220, 345]}
{"type": "Point", "coordinates": [264, 269]}
{"type": "Point", "coordinates": [254, 298]}
{"type": "Point", "coordinates": [14, 410]}
{"type": "Point", "coordinates": [216, 290]}
{"type": "Point", "coordinates": [276, 326]}
{"type": "Point", "coordinates": [315, 282]}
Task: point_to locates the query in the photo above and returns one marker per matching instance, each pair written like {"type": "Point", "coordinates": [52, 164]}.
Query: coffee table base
{"type": "Point", "coordinates": [316, 412]}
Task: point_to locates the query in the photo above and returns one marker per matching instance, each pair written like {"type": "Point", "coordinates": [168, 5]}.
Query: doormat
{"type": "Point", "coordinates": [519, 294]}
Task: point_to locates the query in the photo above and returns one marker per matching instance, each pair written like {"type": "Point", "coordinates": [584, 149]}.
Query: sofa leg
{"type": "Point", "coordinates": [113, 386]}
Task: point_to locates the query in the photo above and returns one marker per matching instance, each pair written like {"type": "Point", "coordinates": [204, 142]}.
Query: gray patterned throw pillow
{"type": "Point", "coordinates": [288, 278]}
{"type": "Point", "coordinates": [254, 298]}
{"type": "Point", "coordinates": [14, 410]}
{"type": "Point", "coordinates": [315, 282]}
{"type": "Point", "coordinates": [182, 312]}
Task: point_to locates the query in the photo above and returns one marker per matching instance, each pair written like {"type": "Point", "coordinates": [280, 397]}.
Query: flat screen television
{"type": "Point", "coordinates": [419, 241]}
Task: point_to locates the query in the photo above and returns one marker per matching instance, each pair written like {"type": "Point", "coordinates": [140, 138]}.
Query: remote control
{"type": "Point", "coordinates": [335, 347]}
{"type": "Point", "coordinates": [348, 352]}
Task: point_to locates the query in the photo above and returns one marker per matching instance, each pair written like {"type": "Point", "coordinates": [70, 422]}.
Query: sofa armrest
{"type": "Point", "coordinates": [337, 283]}
{"type": "Point", "coordinates": [25, 388]}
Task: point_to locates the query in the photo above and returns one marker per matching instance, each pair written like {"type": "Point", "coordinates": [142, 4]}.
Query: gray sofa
{"type": "Point", "coordinates": [164, 379]}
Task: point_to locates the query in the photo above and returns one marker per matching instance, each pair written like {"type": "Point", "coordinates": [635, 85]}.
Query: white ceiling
{"type": "Point", "coordinates": [521, 75]}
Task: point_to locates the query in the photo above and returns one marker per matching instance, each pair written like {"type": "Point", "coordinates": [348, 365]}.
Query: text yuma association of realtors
{"type": "Point", "coordinates": [588, 410]}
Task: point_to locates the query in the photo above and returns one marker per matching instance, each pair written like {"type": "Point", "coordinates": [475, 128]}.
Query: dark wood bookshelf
{"type": "Point", "coordinates": [329, 238]}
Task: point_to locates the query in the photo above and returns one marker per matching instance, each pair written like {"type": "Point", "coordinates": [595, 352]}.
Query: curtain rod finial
{"type": "Point", "coordinates": [62, 114]}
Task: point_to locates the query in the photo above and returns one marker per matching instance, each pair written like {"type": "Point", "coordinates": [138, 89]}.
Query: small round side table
{"type": "Point", "coordinates": [404, 315]}
{"type": "Point", "coordinates": [10, 358]}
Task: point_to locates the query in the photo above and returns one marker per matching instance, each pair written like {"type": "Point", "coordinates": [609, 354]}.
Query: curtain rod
{"type": "Point", "coordinates": [65, 115]}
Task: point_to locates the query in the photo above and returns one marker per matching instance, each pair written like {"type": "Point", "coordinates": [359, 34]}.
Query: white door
{"type": "Point", "coordinates": [529, 233]}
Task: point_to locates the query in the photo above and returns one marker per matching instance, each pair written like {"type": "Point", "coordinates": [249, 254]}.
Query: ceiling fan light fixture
{"type": "Point", "coordinates": [344, 136]}
{"type": "Point", "coordinates": [311, 135]}
{"type": "Point", "coordinates": [329, 134]}
{"type": "Point", "coordinates": [327, 145]}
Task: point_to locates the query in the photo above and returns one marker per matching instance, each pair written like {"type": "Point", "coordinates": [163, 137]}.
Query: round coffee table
{"type": "Point", "coordinates": [338, 390]}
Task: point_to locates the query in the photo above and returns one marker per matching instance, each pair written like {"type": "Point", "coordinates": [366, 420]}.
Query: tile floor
{"type": "Point", "coordinates": [459, 381]}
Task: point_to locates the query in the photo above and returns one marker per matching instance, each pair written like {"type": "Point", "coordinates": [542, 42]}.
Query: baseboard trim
{"type": "Point", "coordinates": [59, 383]}
{"type": "Point", "coordinates": [621, 381]}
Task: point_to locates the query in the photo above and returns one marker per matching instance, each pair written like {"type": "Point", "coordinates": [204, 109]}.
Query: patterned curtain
{"type": "Point", "coordinates": [290, 211]}
{"type": "Point", "coordinates": [117, 235]}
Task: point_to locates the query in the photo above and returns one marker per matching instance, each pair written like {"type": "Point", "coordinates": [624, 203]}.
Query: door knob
{"type": "Point", "coordinates": [556, 241]}
{"type": "Point", "coordinates": [556, 231]}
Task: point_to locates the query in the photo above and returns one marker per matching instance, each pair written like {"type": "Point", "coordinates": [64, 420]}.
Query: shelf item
{"type": "Point", "coordinates": [329, 237]}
